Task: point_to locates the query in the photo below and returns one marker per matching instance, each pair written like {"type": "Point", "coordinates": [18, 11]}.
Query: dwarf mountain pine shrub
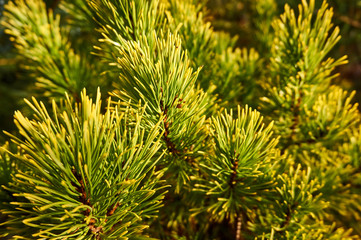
{"type": "Point", "coordinates": [154, 126]}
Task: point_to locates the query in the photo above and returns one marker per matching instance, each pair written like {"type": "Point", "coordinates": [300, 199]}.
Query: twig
{"type": "Point", "coordinates": [350, 21]}
{"type": "Point", "coordinates": [296, 118]}
{"type": "Point", "coordinates": [289, 214]}
{"type": "Point", "coordinates": [239, 227]}
{"type": "Point", "coordinates": [86, 201]}
{"type": "Point", "coordinates": [177, 103]}
{"type": "Point", "coordinates": [81, 189]}
{"type": "Point", "coordinates": [112, 209]}
{"type": "Point", "coordinates": [232, 180]}
{"type": "Point", "coordinates": [170, 145]}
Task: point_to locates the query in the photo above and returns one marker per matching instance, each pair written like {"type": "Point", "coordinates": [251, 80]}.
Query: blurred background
{"type": "Point", "coordinates": [238, 18]}
{"type": "Point", "coordinates": [250, 20]}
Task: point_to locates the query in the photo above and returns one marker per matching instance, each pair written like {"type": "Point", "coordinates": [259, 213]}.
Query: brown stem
{"type": "Point", "coordinates": [350, 21]}
{"type": "Point", "coordinates": [81, 189]}
{"type": "Point", "coordinates": [289, 214]}
{"type": "Point", "coordinates": [170, 145]}
{"type": "Point", "coordinates": [85, 199]}
{"type": "Point", "coordinates": [287, 220]}
{"type": "Point", "coordinates": [232, 180]}
{"type": "Point", "coordinates": [112, 210]}
{"type": "Point", "coordinates": [239, 228]}
{"type": "Point", "coordinates": [177, 103]}
{"type": "Point", "coordinates": [296, 117]}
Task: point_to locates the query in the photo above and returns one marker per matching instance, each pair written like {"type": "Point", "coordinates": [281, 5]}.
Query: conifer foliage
{"type": "Point", "coordinates": [199, 139]}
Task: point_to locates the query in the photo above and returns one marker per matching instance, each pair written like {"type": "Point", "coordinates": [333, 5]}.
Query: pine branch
{"type": "Point", "coordinates": [239, 228]}
{"type": "Point", "coordinates": [81, 151]}
{"type": "Point", "coordinates": [243, 147]}
{"type": "Point", "coordinates": [47, 50]}
{"type": "Point", "coordinates": [295, 122]}
{"type": "Point", "coordinates": [81, 189]}
{"type": "Point", "coordinates": [84, 172]}
{"type": "Point", "coordinates": [170, 145]}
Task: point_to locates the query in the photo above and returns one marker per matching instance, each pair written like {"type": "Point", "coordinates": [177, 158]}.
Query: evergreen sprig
{"type": "Point", "coordinates": [130, 19]}
{"type": "Point", "coordinates": [297, 38]}
{"type": "Point", "coordinates": [226, 71]}
{"type": "Point", "coordinates": [331, 116]}
{"type": "Point", "coordinates": [312, 116]}
{"type": "Point", "coordinates": [154, 69]}
{"type": "Point", "coordinates": [44, 44]}
{"type": "Point", "coordinates": [84, 172]}
{"type": "Point", "coordinates": [239, 167]}
{"type": "Point", "coordinates": [89, 175]}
